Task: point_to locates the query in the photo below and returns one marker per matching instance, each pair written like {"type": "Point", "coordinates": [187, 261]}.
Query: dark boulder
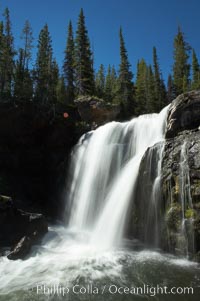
{"type": "Point", "coordinates": [184, 113]}
{"type": "Point", "coordinates": [16, 224]}
{"type": "Point", "coordinates": [21, 249]}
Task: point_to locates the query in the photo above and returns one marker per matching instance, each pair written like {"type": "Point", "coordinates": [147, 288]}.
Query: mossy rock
{"type": "Point", "coordinates": [174, 217]}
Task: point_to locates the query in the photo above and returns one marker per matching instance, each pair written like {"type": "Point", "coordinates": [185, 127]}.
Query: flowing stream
{"type": "Point", "coordinates": [90, 259]}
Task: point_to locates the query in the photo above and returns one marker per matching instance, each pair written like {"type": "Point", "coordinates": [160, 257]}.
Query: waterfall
{"type": "Point", "coordinates": [106, 168]}
{"type": "Point", "coordinates": [186, 230]}
{"type": "Point", "coordinates": [152, 196]}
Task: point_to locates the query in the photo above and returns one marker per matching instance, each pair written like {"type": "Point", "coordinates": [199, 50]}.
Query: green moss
{"type": "Point", "coordinates": [177, 188]}
{"type": "Point", "coordinates": [189, 213]}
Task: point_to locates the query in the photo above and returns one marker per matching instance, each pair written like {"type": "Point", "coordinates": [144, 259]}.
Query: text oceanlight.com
{"type": "Point", "coordinates": [112, 289]}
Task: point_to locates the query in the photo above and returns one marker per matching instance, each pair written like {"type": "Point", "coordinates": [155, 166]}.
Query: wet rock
{"type": "Point", "coordinates": [173, 217]}
{"type": "Point", "coordinates": [16, 224]}
{"type": "Point", "coordinates": [21, 249]}
{"type": "Point", "coordinates": [173, 192]}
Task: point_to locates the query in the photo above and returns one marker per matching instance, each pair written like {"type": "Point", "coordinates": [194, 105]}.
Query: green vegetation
{"type": "Point", "coordinates": [181, 67]}
{"type": "Point", "coordinates": [22, 80]}
{"type": "Point", "coordinates": [190, 213]}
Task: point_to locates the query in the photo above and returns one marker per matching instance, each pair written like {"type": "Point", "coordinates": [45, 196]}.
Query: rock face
{"type": "Point", "coordinates": [95, 110]}
{"type": "Point", "coordinates": [181, 192]}
{"type": "Point", "coordinates": [19, 229]}
{"type": "Point", "coordinates": [146, 219]}
{"type": "Point", "coordinates": [174, 214]}
{"type": "Point", "coordinates": [184, 114]}
{"type": "Point", "coordinates": [181, 176]}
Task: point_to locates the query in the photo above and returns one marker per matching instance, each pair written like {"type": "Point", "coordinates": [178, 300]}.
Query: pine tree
{"type": "Point", "coordinates": [54, 79]}
{"type": "Point", "coordinates": [84, 73]}
{"type": "Point", "coordinates": [195, 71]}
{"type": "Point", "coordinates": [100, 82]}
{"type": "Point", "coordinates": [151, 99]}
{"type": "Point", "coordinates": [181, 68]}
{"type": "Point", "coordinates": [160, 91]}
{"type": "Point", "coordinates": [125, 79]}
{"type": "Point", "coordinates": [170, 89]}
{"type": "Point", "coordinates": [111, 86]}
{"type": "Point", "coordinates": [2, 70]}
{"type": "Point", "coordinates": [108, 85]}
{"type": "Point", "coordinates": [23, 84]}
{"type": "Point", "coordinates": [115, 86]}
{"type": "Point", "coordinates": [61, 90]}
{"type": "Point", "coordinates": [141, 92]}
{"type": "Point", "coordinates": [43, 67]}
{"type": "Point", "coordinates": [68, 66]}
{"type": "Point", "coordinates": [7, 60]}
{"type": "Point", "coordinates": [27, 37]}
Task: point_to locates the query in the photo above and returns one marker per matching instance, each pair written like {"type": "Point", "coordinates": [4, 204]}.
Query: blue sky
{"type": "Point", "coordinates": [145, 23]}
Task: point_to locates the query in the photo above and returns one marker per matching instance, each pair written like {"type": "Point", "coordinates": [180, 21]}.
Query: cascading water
{"type": "Point", "coordinates": [153, 218]}
{"type": "Point", "coordinates": [103, 189]}
{"type": "Point", "coordinates": [186, 202]}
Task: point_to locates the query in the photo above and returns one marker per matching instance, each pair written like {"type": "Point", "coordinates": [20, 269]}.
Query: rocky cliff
{"type": "Point", "coordinates": [181, 176]}
{"type": "Point", "coordinates": [171, 218]}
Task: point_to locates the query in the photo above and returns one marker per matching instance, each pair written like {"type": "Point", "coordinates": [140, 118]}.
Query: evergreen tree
{"type": "Point", "coordinates": [100, 82]}
{"type": "Point", "coordinates": [54, 79]}
{"type": "Point", "coordinates": [111, 86]}
{"type": "Point", "coordinates": [181, 68]}
{"type": "Point", "coordinates": [195, 71]}
{"type": "Point", "coordinates": [115, 86]}
{"type": "Point", "coordinates": [2, 70]}
{"type": "Point", "coordinates": [108, 85]}
{"type": "Point", "coordinates": [84, 73]}
{"type": "Point", "coordinates": [23, 85]}
{"type": "Point", "coordinates": [7, 59]}
{"type": "Point", "coordinates": [60, 90]}
{"type": "Point", "coordinates": [125, 79]}
{"type": "Point", "coordinates": [160, 91]}
{"type": "Point", "coordinates": [27, 37]}
{"type": "Point", "coordinates": [151, 99]}
{"type": "Point", "coordinates": [68, 66]}
{"type": "Point", "coordinates": [170, 89]}
{"type": "Point", "coordinates": [43, 67]}
{"type": "Point", "coordinates": [141, 92]}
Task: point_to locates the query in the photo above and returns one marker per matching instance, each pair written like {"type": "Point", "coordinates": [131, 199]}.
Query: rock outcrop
{"type": "Point", "coordinates": [181, 192]}
{"type": "Point", "coordinates": [96, 111]}
{"type": "Point", "coordinates": [184, 114]}
{"type": "Point", "coordinates": [181, 176]}
{"type": "Point", "coordinates": [172, 220]}
{"type": "Point", "coordinates": [19, 230]}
